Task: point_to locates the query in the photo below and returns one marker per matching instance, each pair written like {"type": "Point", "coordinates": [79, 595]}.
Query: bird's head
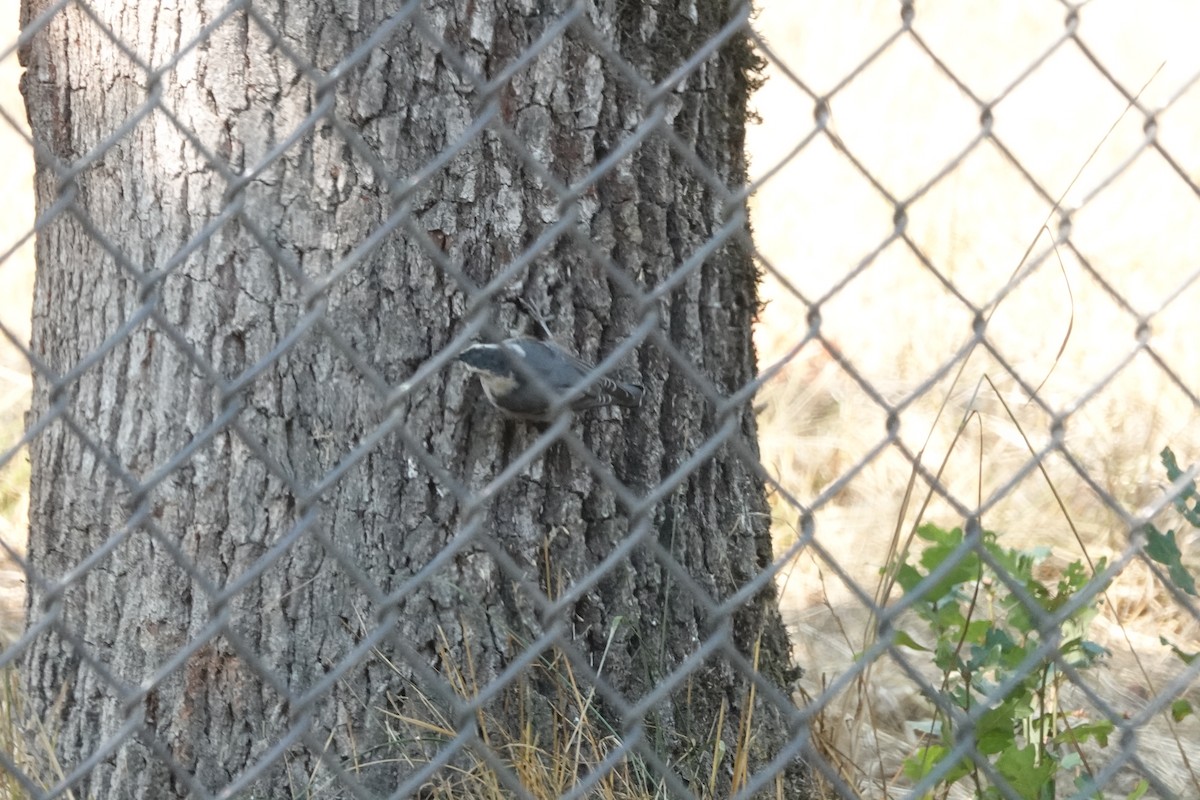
{"type": "Point", "coordinates": [490, 359]}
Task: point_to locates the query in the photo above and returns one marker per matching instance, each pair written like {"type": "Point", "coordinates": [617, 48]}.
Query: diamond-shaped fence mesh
{"type": "Point", "coordinates": [273, 496]}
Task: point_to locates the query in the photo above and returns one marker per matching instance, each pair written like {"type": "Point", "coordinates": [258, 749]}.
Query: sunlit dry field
{"type": "Point", "coordinates": [898, 307]}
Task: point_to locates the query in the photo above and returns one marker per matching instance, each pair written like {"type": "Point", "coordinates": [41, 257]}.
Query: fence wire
{"type": "Point", "coordinates": [1054, 650]}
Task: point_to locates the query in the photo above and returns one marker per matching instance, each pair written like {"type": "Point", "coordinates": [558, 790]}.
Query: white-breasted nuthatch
{"type": "Point", "coordinates": [511, 389]}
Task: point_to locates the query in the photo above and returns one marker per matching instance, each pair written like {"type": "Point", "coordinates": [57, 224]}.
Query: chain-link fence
{"type": "Point", "coordinates": [928, 376]}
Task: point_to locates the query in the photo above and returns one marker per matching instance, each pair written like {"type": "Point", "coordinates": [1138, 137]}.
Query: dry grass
{"type": "Point", "coordinates": [817, 220]}
{"type": "Point", "coordinates": [549, 760]}
{"type": "Point", "coordinates": [569, 743]}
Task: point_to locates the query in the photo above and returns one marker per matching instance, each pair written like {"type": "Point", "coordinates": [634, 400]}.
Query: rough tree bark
{"type": "Point", "coordinates": [207, 472]}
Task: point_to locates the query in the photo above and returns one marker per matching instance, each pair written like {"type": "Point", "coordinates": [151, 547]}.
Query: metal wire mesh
{"type": "Point", "coordinates": [813, 507]}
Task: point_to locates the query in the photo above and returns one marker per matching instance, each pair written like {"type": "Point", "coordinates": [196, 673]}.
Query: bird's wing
{"type": "Point", "coordinates": [584, 367]}
{"type": "Point", "coordinates": [601, 391]}
{"type": "Point", "coordinates": [558, 352]}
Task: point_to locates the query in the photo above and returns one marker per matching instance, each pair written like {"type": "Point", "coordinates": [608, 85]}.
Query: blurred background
{"type": "Point", "coordinates": [896, 311]}
{"type": "Point", "coordinates": [973, 211]}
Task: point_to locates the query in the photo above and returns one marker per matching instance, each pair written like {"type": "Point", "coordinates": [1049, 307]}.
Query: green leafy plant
{"type": "Point", "coordinates": [985, 635]}
{"type": "Point", "coordinates": [1163, 547]}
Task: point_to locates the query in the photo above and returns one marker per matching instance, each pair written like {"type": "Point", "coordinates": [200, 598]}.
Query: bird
{"type": "Point", "coordinates": [512, 390]}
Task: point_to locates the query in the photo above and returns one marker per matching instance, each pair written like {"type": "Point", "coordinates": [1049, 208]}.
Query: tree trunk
{"type": "Point", "coordinates": [277, 548]}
